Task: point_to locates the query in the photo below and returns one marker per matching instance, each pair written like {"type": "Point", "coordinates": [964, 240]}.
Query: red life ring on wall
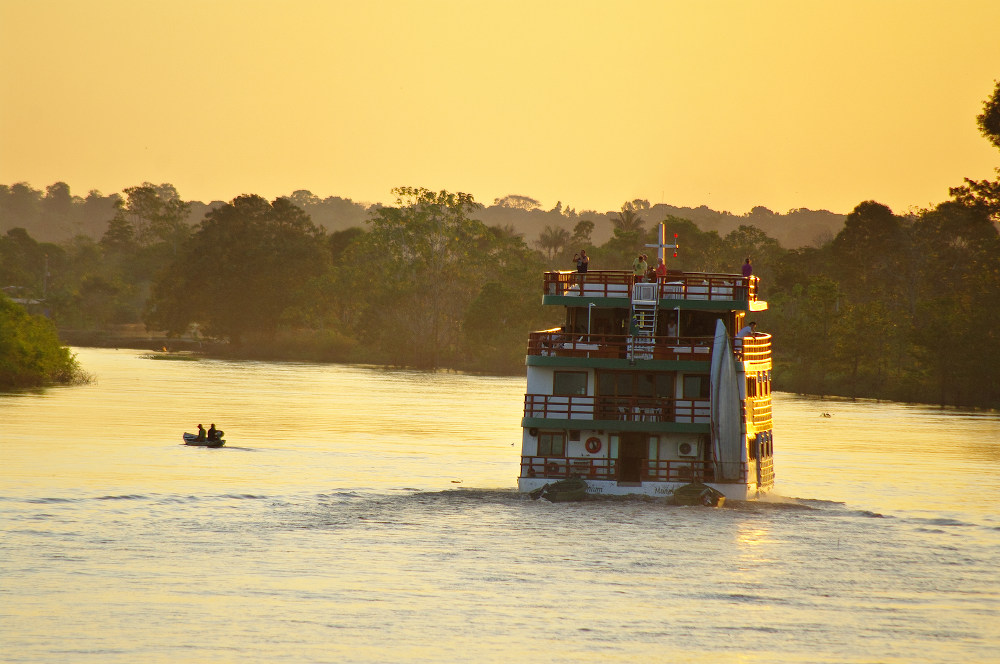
{"type": "Point", "coordinates": [593, 445]}
{"type": "Point", "coordinates": [551, 468]}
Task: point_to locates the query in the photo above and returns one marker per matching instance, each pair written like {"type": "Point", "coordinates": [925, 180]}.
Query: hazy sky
{"type": "Point", "coordinates": [731, 104]}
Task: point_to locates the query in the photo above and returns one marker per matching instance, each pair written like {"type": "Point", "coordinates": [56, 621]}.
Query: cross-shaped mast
{"type": "Point", "coordinates": [663, 244]}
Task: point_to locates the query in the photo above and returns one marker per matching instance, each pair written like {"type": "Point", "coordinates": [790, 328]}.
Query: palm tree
{"type": "Point", "coordinates": [553, 240]}
{"type": "Point", "coordinates": [628, 220]}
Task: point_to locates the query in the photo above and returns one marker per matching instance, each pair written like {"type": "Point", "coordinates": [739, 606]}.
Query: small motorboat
{"type": "Point", "coordinates": [192, 439]}
{"type": "Point", "coordinates": [699, 494]}
{"type": "Point", "coordinates": [563, 491]}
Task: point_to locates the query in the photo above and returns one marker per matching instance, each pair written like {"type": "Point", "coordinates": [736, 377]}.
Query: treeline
{"type": "Point", "coordinates": [56, 215]}
{"type": "Point", "coordinates": [893, 307]}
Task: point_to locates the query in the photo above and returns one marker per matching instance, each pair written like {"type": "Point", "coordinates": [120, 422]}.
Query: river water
{"type": "Point", "coordinates": [359, 514]}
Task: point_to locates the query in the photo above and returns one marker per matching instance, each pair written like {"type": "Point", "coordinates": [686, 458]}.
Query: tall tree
{"type": "Point", "coordinates": [627, 220]}
{"type": "Point", "coordinates": [418, 267]}
{"type": "Point", "coordinates": [413, 276]}
{"type": "Point", "coordinates": [989, 119]}
{"type": "Point", "coordinates": [868, 250]}
{"type": "Point", "coordinates": [20, 206]}
{"type": "Point", "coordinates": [750, 241]}
{"type": "Point", "coordinates": [553, 241]}
{"type": "Point", "coordinates": [154, 213]}
{"type": "Point", "coordinates": [581, 233]}
{"type": "Point", "coordinates": [518, 202]}
{"type": "Point", "coordinates": [984, 194]}
{"type": "Point", "coordinates": [248, 262]}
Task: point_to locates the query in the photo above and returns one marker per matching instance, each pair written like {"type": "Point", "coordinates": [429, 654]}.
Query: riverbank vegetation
{"type": "Point", "coordinates": [31, 354]}
{"type": "Point", "coordinates": [890, 306]}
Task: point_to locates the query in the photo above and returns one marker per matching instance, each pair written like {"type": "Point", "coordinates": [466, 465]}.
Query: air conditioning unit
{"type": "Point", "coordinates": [687, 449]}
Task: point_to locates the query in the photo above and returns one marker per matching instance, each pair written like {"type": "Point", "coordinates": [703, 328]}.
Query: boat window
{"type": "Point", "coordinates": [654, 447]}
{"type": "Point", "coordinates": [656, 385]}
{"type": "Point", "coordinates": [635, 383]}
{"type": "Point", "coordinates": [696, 386]}
{"type": "Point", "coordinates": [569, 383]}
{"type": "Point", "coordinates": [551, 443]}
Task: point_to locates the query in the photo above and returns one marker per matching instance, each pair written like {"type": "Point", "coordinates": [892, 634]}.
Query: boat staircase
{"type": "Point", "coordinates": [643, 321]}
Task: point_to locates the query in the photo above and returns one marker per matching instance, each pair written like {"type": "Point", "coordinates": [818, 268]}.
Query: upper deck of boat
{"type": "Point", "coordinates": [694, 290]}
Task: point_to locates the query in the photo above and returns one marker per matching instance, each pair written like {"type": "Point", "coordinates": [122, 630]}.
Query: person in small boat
{"type": "Point", "coordinates": [201, 434]}
{"type": "Point", "coordinates": [213, 434]}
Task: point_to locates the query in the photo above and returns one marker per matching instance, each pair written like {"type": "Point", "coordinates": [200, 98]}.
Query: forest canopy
{"type": "Point", "coordinates": [876, 304]}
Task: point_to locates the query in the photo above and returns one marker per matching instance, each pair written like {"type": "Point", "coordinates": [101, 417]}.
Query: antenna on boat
{"type": "Point", "coordinates": [663, 244]}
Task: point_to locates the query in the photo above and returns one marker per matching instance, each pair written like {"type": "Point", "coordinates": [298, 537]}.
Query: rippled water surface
{"type": "Point", "coordinates": [366, 515]}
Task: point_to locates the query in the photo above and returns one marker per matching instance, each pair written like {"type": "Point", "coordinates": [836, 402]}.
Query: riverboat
{"type": "Point", "coordinates": [648, 387]}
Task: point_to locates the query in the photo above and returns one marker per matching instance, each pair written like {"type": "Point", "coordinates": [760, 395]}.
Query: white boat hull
{"type": "Point", "coordinates": [651, 489]}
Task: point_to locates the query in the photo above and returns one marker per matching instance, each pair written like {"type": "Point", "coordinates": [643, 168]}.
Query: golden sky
{"type": "Point", "coordinates": [731, 104]}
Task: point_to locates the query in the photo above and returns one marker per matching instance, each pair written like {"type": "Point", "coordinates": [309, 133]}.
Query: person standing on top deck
{"type": "Point", "coordinates": [639, 267]}
{"type": "Point", "coordinates": [582, 264]}
{"type": "Point", "coordinates": [661, 270]}
{"type": "Point", "coordinates": [747, 268]}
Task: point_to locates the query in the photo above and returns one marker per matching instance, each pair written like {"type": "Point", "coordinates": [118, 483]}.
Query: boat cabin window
{"type": "Point", "coordinates": [700, 323]}
{"type": "Point", "coordinates": [601, 321]}
{"type": "Point", "coordinates": [569, 383]}
{"type": "Point", "coordinates": [696, 386]}
{"type": "Point", "coordinates": [552, 443]}
{"type": "Point", "coordinates": [635, 383]}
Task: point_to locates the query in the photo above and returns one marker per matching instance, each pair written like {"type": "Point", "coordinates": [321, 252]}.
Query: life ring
{"type": "Point", "coordinates": [551, 468]}
{"type": "Point", "coordinates": [593, 445]}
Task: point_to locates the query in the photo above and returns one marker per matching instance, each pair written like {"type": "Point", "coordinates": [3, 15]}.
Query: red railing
{"type": "Point", "coordinates": [760, 413]}
{"type": "Point", "coordinates": [674, 286]}
{"type": "Point", "coordinates": [604, 283]}
{"type": "Point", "coordinates": [754, 349]}
{"type": "Point", "coordinates": [624, 409]}
{"type": "Point", "coordinates": [603, 468]}
{"type": "Point", "coordinates": [556, 343]}
{"type": "Point", "coordinates": [766, 478]}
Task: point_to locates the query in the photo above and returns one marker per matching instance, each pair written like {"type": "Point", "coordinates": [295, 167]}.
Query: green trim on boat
{"type": "Point", "coordinates": [626, 303]}
{"type": "Point", "coordinates": [615, 425]}
{"type": "Point", "coordinates": [613, 363]}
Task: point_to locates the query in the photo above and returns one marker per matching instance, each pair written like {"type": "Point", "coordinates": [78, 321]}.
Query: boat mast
{"type": "Point", "coordinates": [663, 244]}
